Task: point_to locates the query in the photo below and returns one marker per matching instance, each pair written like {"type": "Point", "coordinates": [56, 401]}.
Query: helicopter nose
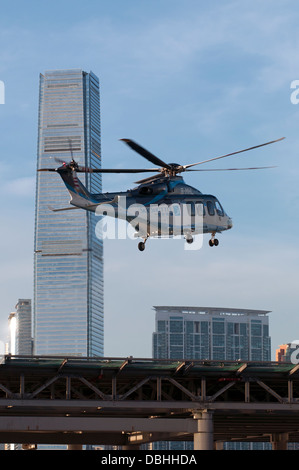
{"type": "Point", "coordinates": [229, 223]}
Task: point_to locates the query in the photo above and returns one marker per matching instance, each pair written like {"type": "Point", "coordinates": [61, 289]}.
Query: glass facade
{"type": "Point", "coordinates": [215, 334]}
{"type": "Point", "coordinates": [208, 333]}
{"type": "Point", "coordinates": [23, 317]}
{"type": "Point", "coordinates": [68, 257]}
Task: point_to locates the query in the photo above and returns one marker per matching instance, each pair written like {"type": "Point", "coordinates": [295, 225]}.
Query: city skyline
{"type": "Point", "coordinates": [188, 82]}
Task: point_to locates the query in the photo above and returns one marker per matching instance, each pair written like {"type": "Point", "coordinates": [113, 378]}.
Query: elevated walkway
{"type": "Point", "coordinates": [130, 401]}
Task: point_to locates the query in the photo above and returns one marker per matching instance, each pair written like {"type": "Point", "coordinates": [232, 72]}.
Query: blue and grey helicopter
{"type": "Point", "coordinates": [163, 189]}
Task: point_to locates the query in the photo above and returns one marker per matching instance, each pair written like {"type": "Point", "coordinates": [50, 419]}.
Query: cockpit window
{"type": "Point", "coordinates": [211, 207]}
{"type": "Point", "coordinates": [219, 209]}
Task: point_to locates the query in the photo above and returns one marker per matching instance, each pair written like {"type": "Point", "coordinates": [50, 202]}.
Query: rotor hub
{"type": "Point", "coordinates": [173, 169]}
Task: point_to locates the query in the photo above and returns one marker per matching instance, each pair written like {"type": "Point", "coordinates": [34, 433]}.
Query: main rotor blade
{"type": "Point", "coordinates": [234, 169]}
{"type": "Point", "coordinates": [233, 153]}
{"type": "Point", "coordinates": [116, 170]}
{"type": "Point", "coordinates": [47, 169]}
{"type": "Point", "coordinates": [71, 148]}
{"type": "Point", "coordinates": [145, 153]}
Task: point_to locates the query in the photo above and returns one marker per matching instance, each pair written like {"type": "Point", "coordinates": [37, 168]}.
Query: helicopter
{"type": "Point", "coordinates": [165, 188]}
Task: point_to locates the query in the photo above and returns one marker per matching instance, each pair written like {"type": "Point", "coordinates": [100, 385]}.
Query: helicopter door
{"type": "Point", "coordinates": [195, 212]}
{"type": "Point", "coordinates": [211, 208]}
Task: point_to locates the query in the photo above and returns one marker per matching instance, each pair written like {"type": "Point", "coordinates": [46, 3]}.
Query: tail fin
{"type": "Point", "coordinates": [73, 184]}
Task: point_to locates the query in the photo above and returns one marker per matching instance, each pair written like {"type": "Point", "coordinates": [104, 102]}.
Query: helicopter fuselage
{"type": "Point", "coordinates": [165, 207]}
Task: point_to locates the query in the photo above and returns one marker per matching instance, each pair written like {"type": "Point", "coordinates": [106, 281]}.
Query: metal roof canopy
{"type": "Point", "coordinates": [120, 400]}
{"type": "Point", "coordinates": [212, 311]}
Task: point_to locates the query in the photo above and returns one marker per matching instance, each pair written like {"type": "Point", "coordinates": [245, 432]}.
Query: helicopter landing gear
{"type": "Point", "coordinates": [214, 241]}
{"type": "Point", "coordinates": [189, 239]}
{"type": "Point", "coordinates": [141, 245]}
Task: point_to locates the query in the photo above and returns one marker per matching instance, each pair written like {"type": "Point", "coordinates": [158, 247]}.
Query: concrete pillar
{"type": "Point", "coordinates": [280, 441]}
{"type": "Point", "coordinates": [203, 437]}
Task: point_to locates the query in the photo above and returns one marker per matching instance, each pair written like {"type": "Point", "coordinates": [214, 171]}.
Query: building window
{"type": "Point", "coordinates": [176, 339]}
{"type": "Point", "coordinates": [218, 340]}
{"type": "Point", "coordinates": [256, 342]}
{"type": "Point", "coordinates": [161, 326]}
{"type": "Point", "coordinates": [256, 328]}
{"type": "Point", "coordinates": [175, 326]}
{"type": "Point", "coordinates": [218, 326]}
{"type": "Point", "coordinates": [204, 327]}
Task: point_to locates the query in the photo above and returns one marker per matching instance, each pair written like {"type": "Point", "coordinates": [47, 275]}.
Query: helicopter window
{"type": "Point", "coordinates": [145, 190]}
{"type": "Point", "coordinates": [190, 208]}
{"type": "Point", "coordinates": [219, 209]}
{"type": "Point", "coordinates": [211, 207]}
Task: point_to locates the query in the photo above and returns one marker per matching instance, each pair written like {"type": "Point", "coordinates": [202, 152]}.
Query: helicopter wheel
{"type": "Point", "coordinates": [214, 241]}
{"type": "Point", "coordinates": [189, 240]}
{"type": "Point", "coordinates": [141, 246]}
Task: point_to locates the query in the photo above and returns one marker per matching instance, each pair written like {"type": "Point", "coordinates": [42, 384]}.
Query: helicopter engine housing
{"type": "Point", "coordinates": [149, 189]}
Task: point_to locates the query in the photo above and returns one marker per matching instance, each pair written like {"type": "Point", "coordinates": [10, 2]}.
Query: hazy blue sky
{"type": "Point", "coordinates": [189, 80]}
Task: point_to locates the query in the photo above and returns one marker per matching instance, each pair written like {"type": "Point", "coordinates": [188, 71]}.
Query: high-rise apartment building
{"type": "Point", "coordinates": [215, 334]}
{"type": "Point", "coordinates": [68, 257]}
{"type": "Point", "coordinates": [23, 317]}
{"type": "Point", "coordinates": [211, 333]}
{"type": "Point", "coordinates": [19, 341]}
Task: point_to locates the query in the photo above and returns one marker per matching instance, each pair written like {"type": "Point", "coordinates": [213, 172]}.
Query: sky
{"type": "Point", "coordinates": [189, 80]}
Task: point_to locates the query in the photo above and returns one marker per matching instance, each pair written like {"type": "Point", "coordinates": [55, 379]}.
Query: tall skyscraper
{"type": "Point", "coordinates": [23, 316]}
{"type": "Point", "coordinates": [211, 333]}
{"type": "Point", "coordinates": [68, 257]}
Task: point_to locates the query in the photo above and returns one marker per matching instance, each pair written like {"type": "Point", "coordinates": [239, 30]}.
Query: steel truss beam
{"type": "Point", "coordinates": [253, 398]}
{"type": "Point", "coordinates": [185, 387]}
